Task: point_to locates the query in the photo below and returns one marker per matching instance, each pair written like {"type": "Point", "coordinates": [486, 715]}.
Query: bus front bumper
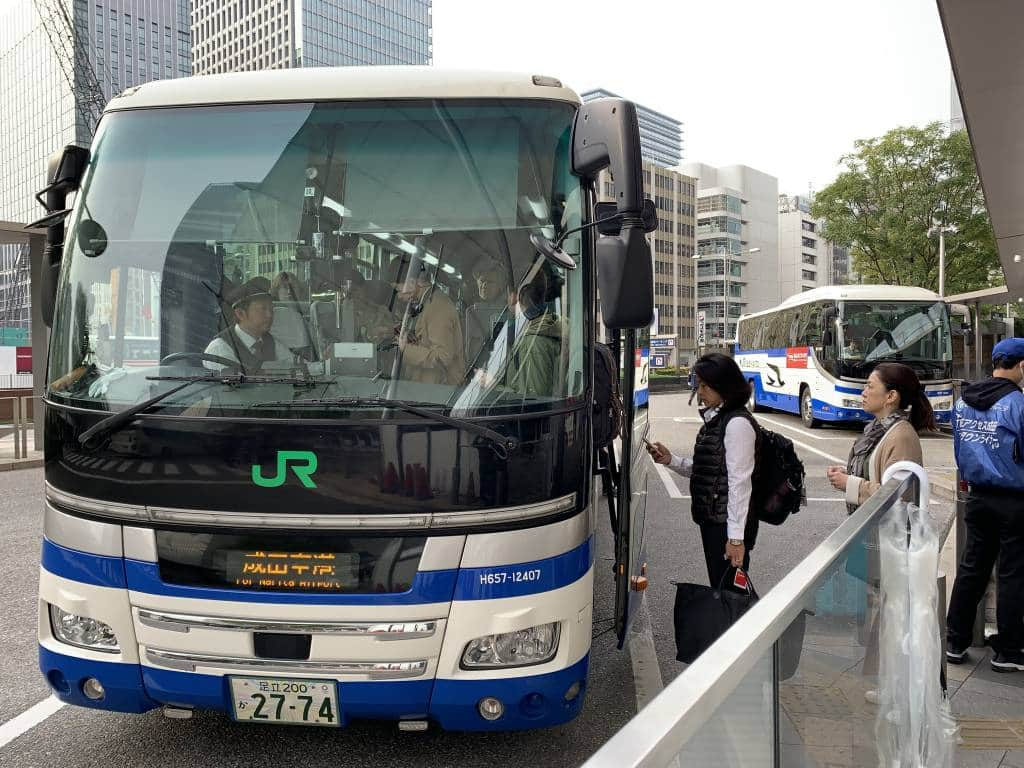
{"type": "Point", "coordinates": [535, 701]}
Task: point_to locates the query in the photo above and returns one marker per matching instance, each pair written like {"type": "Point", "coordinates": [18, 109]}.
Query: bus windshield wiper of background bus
{"type": "Point", "coordinates": [394, 514]}
{"type": "Point", "coordinates": [813, 353]}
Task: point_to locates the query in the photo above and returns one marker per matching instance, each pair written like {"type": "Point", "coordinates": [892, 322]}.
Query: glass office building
{"type": "Point", "coordinates": [241, 35]}
{"type": "Point", "coordinates": [128, 42]}
{"type": "Point", "coordinates": [661, 136]}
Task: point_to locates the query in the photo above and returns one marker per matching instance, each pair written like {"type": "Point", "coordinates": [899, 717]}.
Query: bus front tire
{"type": "Point", "coordinates": [807, 411]}
{"type": "Point", "coordinates": [752, 405]}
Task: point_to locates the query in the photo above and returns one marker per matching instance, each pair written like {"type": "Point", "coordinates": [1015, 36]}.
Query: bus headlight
{"type": "Point", "coordinates": [513, 649]}
{"type": "Point", "coordinates": [82, 631]}
{"type": "Point", "coordinates": [848, 403]}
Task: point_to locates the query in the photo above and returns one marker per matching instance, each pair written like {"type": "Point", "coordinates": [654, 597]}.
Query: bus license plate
{"type": "Point", "coordinates": [279, 700]}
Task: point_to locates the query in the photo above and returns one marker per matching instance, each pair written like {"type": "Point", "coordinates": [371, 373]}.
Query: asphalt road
{"type": "Point", "coordinates": [77, 738]}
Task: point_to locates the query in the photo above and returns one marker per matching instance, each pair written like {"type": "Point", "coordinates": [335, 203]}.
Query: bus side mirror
{"type": "Point", "coordinates": [64, 171]}
{"type": "Point", "coordinates": [606, 135]}
{"type": "Point", "coordinates": [827, 338]}
{"type": "Point", "coordinates": [624, 279]}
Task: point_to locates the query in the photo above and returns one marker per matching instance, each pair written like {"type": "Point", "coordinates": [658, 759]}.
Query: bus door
{"type": "Point", "coordinates": [630, 499]}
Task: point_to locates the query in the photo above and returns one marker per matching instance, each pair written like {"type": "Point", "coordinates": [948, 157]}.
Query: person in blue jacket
{"type": "Point", "coordinates": [988, 443]}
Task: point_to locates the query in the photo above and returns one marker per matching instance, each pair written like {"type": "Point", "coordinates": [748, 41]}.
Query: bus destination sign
{"type": "Point", "coordinates": [305, 571]}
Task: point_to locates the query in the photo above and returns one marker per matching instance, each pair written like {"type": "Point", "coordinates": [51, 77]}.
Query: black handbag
{"type": "Point", "coordinates": [703, 613]}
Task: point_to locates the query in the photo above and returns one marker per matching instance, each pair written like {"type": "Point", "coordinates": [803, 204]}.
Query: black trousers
{"type": "Point", "coordinates": [713, 536]}
{"type": "Point", "coordinates": [995, 528]}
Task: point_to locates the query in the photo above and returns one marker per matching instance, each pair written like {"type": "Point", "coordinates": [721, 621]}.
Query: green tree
{"type": "Point", "coordinates": [892, 190]}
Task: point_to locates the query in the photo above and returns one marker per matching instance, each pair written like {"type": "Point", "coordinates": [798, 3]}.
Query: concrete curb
{"type": "Point", "coordinates": [12, 464]}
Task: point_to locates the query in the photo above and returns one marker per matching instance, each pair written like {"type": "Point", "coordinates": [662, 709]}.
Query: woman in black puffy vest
{"type": "Point", "coordinates": [722, 466]}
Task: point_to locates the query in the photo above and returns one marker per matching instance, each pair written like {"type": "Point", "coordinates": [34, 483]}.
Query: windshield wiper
{"type": "Point", "coordinates": [115, 421]}
{"type": "Point", "coordinates": [501, 444]}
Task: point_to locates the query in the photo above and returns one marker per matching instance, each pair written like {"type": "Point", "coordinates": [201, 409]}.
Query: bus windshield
{"type": "Point", "coordinates": [914, 333]}
{"type": "Point", "coordinates": [370, 249]}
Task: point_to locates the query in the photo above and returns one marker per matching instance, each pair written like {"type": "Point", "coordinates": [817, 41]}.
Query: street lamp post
{"type": "Point", "coordinates": [728, 269]}
{"type": "Point", "coordinates": [942, 229]}
{"type": "Point", "coordinates": [728, 275]}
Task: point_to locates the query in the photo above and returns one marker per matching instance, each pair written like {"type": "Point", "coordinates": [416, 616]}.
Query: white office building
{"type": "Point", "coordinates": [805, 256]}
{"type": "Point", "coordinates": [737, 245]}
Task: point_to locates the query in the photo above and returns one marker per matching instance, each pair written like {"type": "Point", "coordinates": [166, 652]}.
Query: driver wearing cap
{"type": "Point", "coordinates": [249, 341]}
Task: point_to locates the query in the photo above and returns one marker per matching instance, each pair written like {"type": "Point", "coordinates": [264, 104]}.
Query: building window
{"type": "Point", "coordinates": [809, 258]}
{"type": "Point", "coordinates": [806, 274]}
{"type": "Point", "coordinates": [809, 242]}
{"type": "Point", "coordinates": [808, 226]}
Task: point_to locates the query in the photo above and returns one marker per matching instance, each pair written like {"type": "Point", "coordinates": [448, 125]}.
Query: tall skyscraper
{"type": "Point", "coordinates": [242, 35]}
{"type": "Point", "coordinates": [60, 62]}
{"type": "Point", "coordinates": [661, 136]}
{"type": "Point", "coordinates": [737, 245]}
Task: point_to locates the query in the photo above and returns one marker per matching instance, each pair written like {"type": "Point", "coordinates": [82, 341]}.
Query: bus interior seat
{"type": "Point", "coordinates": [190, 312]}
{"type": "Point", "coordinates": [290, 327]}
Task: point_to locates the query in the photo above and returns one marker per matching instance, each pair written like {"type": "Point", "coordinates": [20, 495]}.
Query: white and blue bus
{"type": "Point", "coordinates": [812, 354]}
{"type": "Point", "coordinates": [393, 515]}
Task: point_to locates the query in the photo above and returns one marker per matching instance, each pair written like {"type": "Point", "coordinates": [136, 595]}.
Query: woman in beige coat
{"type": "Point", "coordinates": [895, 397]}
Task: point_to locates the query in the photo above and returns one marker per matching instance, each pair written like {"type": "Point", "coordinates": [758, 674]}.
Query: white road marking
{"type": "Point", "coordinates": [824, 455]}
{"type": "Point", "coordinates": [29, 719]}
{"type": "Point", "coordinates": [669, 481]}
{"type": "Point", "coordinates": [784, 425]}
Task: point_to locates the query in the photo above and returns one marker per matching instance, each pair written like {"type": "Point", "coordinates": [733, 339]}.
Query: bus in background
{"type": "Point", "coordinates": [367, 510]}
{"type": "Point", "coordinates": [813, 353]}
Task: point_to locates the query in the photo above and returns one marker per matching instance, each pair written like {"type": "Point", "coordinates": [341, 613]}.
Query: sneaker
{"type": "Point", "coordinates": [955, 655]}
{"type": "Point", "coordinates": [1008, 661]}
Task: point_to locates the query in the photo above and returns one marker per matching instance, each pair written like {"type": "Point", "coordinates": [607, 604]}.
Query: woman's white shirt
{"type": "Point", "coordinates": [740, 445]}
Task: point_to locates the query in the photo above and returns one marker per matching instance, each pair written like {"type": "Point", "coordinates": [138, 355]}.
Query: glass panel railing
{"type": "Point", "coordinates": [795, 683]}
{"type": "Point", "coordinates": [741, 731]}
{"type": "Point", "coordinates": [828, 671]}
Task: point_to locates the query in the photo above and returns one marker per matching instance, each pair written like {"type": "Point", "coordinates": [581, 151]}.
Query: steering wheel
{"type": "Point", "coordinates": [200, 357]}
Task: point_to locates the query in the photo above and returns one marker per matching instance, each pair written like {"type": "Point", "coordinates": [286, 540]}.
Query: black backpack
{"type": "Point", "coordinates": [607, 397]}
{"type": "Point", "coordinates": [778, 481]}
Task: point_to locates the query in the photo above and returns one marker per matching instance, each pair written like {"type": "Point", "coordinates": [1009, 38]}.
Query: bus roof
{"type": "Point", "coordinates": [339, 84]}
{"type": "Point", "coordinates": [854, 293]}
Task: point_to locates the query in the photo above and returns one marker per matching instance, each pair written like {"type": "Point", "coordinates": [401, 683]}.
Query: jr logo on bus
{"type": "Point", "coordinates": [303, 465]}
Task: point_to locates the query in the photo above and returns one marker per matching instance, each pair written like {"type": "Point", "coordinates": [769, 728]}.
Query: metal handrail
{"type": "Point", "coordinates": [656, 735]}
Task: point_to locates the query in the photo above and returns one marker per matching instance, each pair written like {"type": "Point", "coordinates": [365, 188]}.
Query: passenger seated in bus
{"type": "Point", "coordinates": [531, 369]}
{"type": "Point", "coordinates": [431, 342]}
{"type": "Point", "coordinates": [249, 341]}
{"type": "Point", "coordinates": [853, 350]}
{"type": "Point", "coordinates": [486, 317]}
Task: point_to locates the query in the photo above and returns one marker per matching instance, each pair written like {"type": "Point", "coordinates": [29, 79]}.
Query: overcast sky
{"type": "Point", "coordinates": [783, 86]}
